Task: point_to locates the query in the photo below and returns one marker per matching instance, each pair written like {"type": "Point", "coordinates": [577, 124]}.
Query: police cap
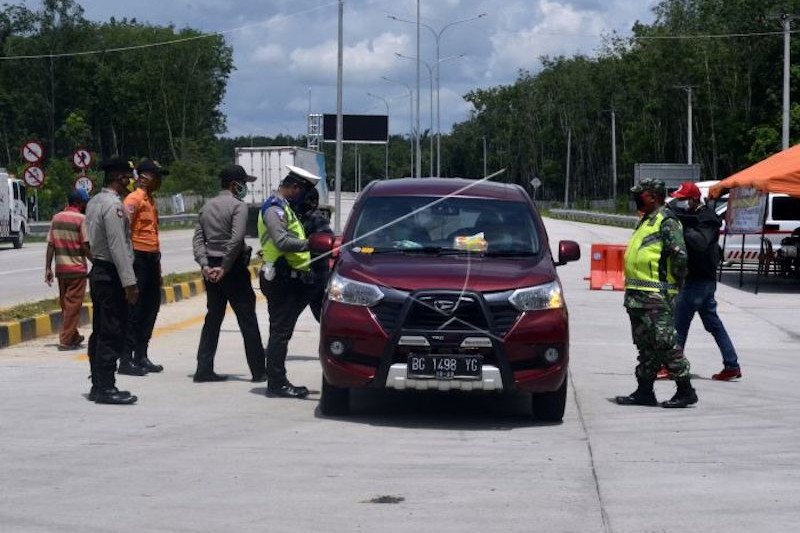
{"type": "Point", "coordinates": [650, 185]}
{"type": "Point", "coordinates": [301, 177]}
{"type": "Point", "coordinates": [116, 164]}
{"type": "Point", "coordinates": [152, 167]}
{"type": "Point", "coordinates": [235, 173]}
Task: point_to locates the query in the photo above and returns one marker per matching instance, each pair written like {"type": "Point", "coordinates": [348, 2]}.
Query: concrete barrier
{"type": "Point", "coordinates": [591, 217]}
{"type": "Point", "coordinates": [41, 228]}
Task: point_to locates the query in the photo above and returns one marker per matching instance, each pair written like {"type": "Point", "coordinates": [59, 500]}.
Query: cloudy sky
{"type": "Point", "coordinates": [285, 50]}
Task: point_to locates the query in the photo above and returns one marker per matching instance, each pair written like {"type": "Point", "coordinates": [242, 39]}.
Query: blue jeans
{"type": "Point", "coordinates": [698, 297]}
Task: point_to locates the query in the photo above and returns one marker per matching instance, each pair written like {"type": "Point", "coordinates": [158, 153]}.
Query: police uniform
{"type": "Point", "coordinates": [143, 214]}
{"type": "Point", "coordinates": [315, 221]}
{"type": "Point", "coordinates": [655, 267]}
{"type": "Point", "coordinates": [219, 242]}
{"type": "Point", "coordinates": [112, 271]}
{"type": "Point", "coordinates": [286, 278]}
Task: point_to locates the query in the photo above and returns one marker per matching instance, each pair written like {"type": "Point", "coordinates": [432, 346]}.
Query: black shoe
{"type": "Point", "coordinates": [638, 399]}
{"type": "Point", "coordinates": [684, 397]}
{"type": "Point", "coordinates": [150, 366]}
{"type": "Point", "coordinates": [94, 391]}
{"type": "Point", "coordinates": [129, 368]}
{"type": "Point", "coordinates": [261, 378]}
{"type": "Point", "coordinates": [206, 378]}
{"type": "Point", "coordinates": [643, 395]}
{"type": "Point", "coordinates": [114, 397]}
{"type": "Point", "coordinates": [286, 390]}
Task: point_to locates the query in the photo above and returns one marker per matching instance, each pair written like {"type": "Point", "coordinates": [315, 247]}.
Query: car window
{"type": "Point", "coordinates": [785, 208]}
{"type": "Point", "coordinates": [455, 224]}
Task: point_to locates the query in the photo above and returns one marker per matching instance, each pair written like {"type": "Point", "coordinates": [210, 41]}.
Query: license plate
{"type": "Point", "coordinates": [445, 366]}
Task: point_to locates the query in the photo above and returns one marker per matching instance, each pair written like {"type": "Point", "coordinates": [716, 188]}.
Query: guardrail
{"type": "Point", "coordinates": [591, 217]}
{"type": "Point", "coordinates": [41, 228]}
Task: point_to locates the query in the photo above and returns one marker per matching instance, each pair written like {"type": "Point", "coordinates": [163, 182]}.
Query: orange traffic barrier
{"type": "Point", "coordinates": [607, 267]}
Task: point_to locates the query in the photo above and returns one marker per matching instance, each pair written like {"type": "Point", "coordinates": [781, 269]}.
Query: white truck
{"type": "Point", "coordinates": [13, 209]}
{"type": "Point", "coordinates": [268, 164]}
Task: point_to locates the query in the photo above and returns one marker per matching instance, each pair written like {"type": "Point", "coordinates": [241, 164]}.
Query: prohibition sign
{"type": "Point", "coordinates": [81, 158]}
{"type": "Point", "coordinates": [85, 183]}
{"type": "Point", "coordinates": [34, 176]}
{"type": "Point", "coordinates": [32, 152]}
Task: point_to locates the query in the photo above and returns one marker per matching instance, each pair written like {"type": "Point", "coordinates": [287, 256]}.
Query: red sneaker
{"type": "Point", "coordinates": [728, 374]}
{"type": "Point", "coordinates": [663, 373]}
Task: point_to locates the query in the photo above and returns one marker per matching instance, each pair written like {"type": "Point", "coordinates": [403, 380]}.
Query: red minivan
{"type": "Point", "coordinates": [446, 285]}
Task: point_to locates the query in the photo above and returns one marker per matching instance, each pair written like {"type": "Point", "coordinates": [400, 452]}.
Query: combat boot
{"type": "Point", "coordinates": [113, 396]}
{"type": "Point", "coordinates": [684, 396]}
{"type": "Point", "coordinates": [148, 365]}
{"type": "Point", "coordinates": [95, 391]}
{"type": "Point", "coordinates": [643, 395]}
{"type": "Point", "coordinates": [129, 367]}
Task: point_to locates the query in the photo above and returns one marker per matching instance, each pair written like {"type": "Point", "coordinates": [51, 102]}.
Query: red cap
{"type": "Point", "coordinates": [687, 190]}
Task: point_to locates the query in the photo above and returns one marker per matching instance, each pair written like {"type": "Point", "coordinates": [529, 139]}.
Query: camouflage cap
{"type": "Point", "coordinates": [650, 185]}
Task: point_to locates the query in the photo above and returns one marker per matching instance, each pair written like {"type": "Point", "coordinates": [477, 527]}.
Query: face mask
{"type": "Point", "coordinates": [240, 192]}
{"type": "Point", "coordinates": [682, 204]}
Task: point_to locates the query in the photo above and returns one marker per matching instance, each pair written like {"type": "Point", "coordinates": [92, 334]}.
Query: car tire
{"type": "Point", "coordinates": [549, 406]}
{"type": "Point", "coordinates": [334, 401]}
{"type": "Point", "coordinates": [18, 239]}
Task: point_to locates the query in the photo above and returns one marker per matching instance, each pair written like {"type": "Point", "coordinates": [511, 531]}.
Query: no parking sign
{"type": "Point", "coordinates": [33, 176]}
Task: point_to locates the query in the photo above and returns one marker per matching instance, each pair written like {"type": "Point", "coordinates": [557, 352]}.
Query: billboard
{"type": "Point", "coordinates": [746, 209]}
{"type": "Point", "coordinates": [367, 129]}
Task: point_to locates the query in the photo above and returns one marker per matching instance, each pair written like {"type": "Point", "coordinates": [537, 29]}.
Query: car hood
{"type": "Point", "coordinates": [415, 272]}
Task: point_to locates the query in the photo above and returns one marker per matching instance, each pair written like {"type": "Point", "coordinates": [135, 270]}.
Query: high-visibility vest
{"type": "Point", "coordinates": [300, 261]}
{"type": "Point", "coordinates": [647, 267]}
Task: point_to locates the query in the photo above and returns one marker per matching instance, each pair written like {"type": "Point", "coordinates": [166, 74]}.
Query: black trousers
{"type": "Point", "coordinates": [236, 289]}
{"type": "Point", "coordinates": [317, 297]}
{"type": "Point", "coordinates": [142, 316]}
{"type": "Point", "coordinates": [109, 320]}
{"type": "Point", "coordinates": [286, 299]}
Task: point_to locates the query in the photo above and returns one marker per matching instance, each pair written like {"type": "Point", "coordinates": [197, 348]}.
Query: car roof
{"type": "Point", "coordinates": [445, 186]}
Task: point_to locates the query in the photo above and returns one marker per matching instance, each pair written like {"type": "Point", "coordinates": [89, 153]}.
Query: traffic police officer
{"type": "Point", "coordinates": [286, 278]}
{"type": "Point", "coordinates": [220, 251]}
{"type": "Point", "coordinates": [143, 214]}
{"type": "Point", "coordinates": [655, 267]}
{"type": "Point", "coordinates": [112, 281]}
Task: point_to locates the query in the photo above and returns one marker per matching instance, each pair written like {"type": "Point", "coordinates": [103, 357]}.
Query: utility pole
{"type": "Point", "coordinates": [786, 20]}
{"type": "Point", "coordinates": [386, 102]}
{"type": "Point", "coordinates": [689, 128]}
{"type": "Point", "coordinates": [485, 165]}
{"type": "Point", "coordinates": [337, 226]}
{"type": "Point", "coordinates": [410, 119]}
{"type": "Point", "coordinates": [419, 149]}
{"type": "Point", "coordinates": [614, 156]}
{"type": "Point", "coordinates": [569, 162]}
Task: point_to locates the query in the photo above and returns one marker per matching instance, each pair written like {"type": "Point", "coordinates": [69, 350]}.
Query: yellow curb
{"type": "Point", "coordinates": [169, 294]}
{"type": "Point", "coordinates": [43, 326]}
{"type": "Point", "coordinates": [198, 286]}
{"type": "Point", "coordinates": [14, 332]}
{"type": "Point", "coordinates": [185, 290]}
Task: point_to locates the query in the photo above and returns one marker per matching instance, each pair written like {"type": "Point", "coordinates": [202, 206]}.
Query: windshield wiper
{"type": "Point", "coordinates": [509, 253]}
{"type": "Point", "coordinates": [432, 250]}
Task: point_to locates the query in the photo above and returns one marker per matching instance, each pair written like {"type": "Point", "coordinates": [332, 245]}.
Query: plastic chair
{"type": "Point", "coordinates": [767, 258]}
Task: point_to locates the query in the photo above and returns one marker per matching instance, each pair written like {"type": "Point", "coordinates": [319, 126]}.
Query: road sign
{"type": "Point", "coordinates": [536, 183]}
{"type": "Point", "coordinates": [33, 176]}
{"type": "Point", "coordinates": [82, 158]}
{"type": "Point", "coordinates": [32, 152]}
{"type": "Point", "coordinates": [85, 183]}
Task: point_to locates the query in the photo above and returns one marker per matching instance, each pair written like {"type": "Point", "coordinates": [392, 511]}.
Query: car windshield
{"type": "Point", "coordinates": [416, 224]}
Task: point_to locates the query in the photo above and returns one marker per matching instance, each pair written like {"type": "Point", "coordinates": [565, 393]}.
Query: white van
{"type": "Point", "coordinates": [13, 209]}
{"type": "Point", "coordinates": [782, 218]}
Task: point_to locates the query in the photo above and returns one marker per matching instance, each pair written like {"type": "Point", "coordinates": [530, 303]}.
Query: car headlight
{"type": "Point", "coordinates": [347, 291]}
{"type": "Point", "coordinates": [538, 298]}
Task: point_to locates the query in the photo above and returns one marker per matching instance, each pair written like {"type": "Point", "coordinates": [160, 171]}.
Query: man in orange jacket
{"type": "Point", "coordinates": [143, 214]}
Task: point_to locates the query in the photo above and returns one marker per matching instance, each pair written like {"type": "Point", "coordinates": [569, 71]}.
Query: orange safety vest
{"type": "Point", "coordinates": [143, 214]}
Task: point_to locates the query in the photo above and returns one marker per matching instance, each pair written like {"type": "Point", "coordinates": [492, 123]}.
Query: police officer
{"type": "Point", "coordinates": [143, 215]}
{"type": "Point", "coordinates": [655, 267]}
{"type": "Point", "coordinates": [315, 221]}
{"type": "Point", "coordinates": [112, 281]}
{"type": "Point", "coordinates": [220, 250]}
{"type": "Point", "coordinates": [286, 278]}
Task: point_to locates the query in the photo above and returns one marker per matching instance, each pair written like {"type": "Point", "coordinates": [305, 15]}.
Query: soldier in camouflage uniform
{"type": "Point", "coordinates": [655, 267]}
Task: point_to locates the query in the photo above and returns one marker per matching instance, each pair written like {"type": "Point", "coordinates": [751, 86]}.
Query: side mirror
{"type": "Point", "coordinates": [320, 243]}
{"type": "Point", "coordinates": [568, 251]}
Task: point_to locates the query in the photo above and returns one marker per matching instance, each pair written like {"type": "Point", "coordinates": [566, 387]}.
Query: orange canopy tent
{"type": "Point", "coordinates": [779, 173]}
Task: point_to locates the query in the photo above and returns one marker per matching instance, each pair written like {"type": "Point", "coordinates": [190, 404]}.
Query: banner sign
{"type": "Point", "coordinates": [747, 208]}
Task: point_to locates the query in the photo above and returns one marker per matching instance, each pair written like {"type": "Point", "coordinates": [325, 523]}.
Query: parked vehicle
{"type": "Point", "coordinates": [13, 209]}
{"type": "Point", "coordinates": [446, 285]}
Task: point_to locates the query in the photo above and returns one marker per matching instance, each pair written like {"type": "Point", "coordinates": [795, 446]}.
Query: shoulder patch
{"type": "Point", "coordinates": [120, 212]}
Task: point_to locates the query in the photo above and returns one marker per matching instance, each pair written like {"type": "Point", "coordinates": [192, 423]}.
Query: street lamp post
{"type": "Point", "coordinates": [430, 74]}
{"type": "Point", "coordinates": [410, 116]}
{"type": "Point", "coordinates": [438, 36]}
{"type": "Point", "coordinates": [386, 103]}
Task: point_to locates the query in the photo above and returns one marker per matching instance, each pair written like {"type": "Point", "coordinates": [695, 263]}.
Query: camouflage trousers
{"type": "Point", "coordinates": [653, 329]}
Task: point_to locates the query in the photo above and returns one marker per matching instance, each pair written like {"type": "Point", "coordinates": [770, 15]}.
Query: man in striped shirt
{"type": "Point", "coordinates": [68, 243]}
